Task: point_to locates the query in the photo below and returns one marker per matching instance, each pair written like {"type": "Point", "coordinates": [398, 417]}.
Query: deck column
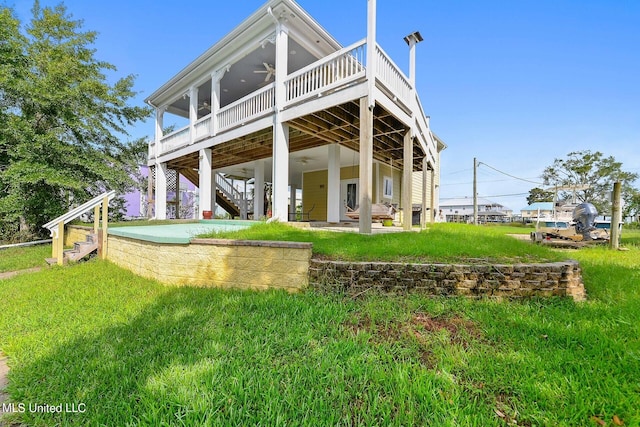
{"type": "Point", "coordinates": [366, 165]}
{"type": "Point", "coordinates": [333, 184]}
{"type": "Point", "coordinates": [423, 208]}
{"type": "Point", "coordinates": [407, 169]}
{"type": "Point", "coordinates": [204, 183]}
{"type": "Point", "coordinates": [280, 173]}
{"type": "Point", "coordinates": [258, 190]}
{"type": "Point", "coordinates": [292, 201]}
{"type": "Point", "coordinates": [433, 196]}
{"type": "Point", "coordinates": [159, 130]}
{"type": "Point", "coordinates": [193, 112]}
{"type": "Point", "coordinates": [161, 190]}
{"type": "Point", "coordinates": [215, 99]}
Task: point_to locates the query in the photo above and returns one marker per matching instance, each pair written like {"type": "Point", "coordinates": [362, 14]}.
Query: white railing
{"type": "Point", "coordinates": [241, 200]}
{"type": "Point", "coordinates": [228, 189]}
{"type": "Point", "coordinates": [151, 154]}
{"type": "Point", "coordinates": [250, 107]}
{"type": "Point", "coordinates": [175, 140]}
{"type": "Point", "coordinates": [390, 76]}
{"type": "Point", "coordinates": [76, 212]}
{"type": "Point", "coordinates": [202, 128]}
{"type": "Point", "coordinates": [56, 226]}
{"type": "Point", "coordinates": [328, 73]}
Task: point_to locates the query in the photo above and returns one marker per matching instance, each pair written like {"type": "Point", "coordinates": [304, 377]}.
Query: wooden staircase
{"type": "Point", "coordinates": [79, 251]}
{"type": "Point", "coordinates": [222, 200]}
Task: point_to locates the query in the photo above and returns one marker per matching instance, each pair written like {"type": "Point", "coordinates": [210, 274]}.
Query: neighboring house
{"type": "Point", "coordinates": [535, 210]}
{"type": "Point", "coordinates": [137, 202]}
{"type": "Point", "coordinates": [279, 101]}
{"type": "Point", "coordinates": [461, 210]}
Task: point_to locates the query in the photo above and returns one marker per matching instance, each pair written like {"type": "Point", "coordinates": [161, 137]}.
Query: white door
{"type": "Point", "coordinates": [349, 196]}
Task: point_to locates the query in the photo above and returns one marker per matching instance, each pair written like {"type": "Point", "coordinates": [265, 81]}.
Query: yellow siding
{"type": "Point", "coordinates": [314, 194]}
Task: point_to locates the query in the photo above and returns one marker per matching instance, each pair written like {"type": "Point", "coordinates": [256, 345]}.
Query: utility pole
{"type": "Point", "coordinates": [614, 236]}
{"type": "Point", "coordinates": [475, 191]}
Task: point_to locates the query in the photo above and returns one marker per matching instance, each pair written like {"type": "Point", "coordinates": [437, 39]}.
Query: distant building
{"type": "Point", "coordinates": [137, 203]}
{"type": "Point", "coordinates": [461, 210]}
{"type": "Point", "coordinates": [536, 210]}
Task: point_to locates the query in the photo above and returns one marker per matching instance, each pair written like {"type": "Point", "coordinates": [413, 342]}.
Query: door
{"type": "Point", "coordinates": [349, 196]}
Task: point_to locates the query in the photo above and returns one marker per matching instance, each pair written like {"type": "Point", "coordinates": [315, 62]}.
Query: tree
{"type": "Point", "coordinates": [591, 174]}
{"type": "Point", "coordinates": [539, 195]}
{"type": "Point", "coordinates": [61, 119]}
{"type": "Point", "coordinates": [632, 205]}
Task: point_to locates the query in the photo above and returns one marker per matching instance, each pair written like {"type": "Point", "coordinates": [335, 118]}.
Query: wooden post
{"type": "Point", "coordinates": [60, 243]}
{"type": "Point", "coordinates": [366, 165]}
{"type": "Point", "coordinates": [96, 219]}
{"type": "Point", "coordinates": [105, 221]}
{"type": "Point", "coordinates": [614, 237]}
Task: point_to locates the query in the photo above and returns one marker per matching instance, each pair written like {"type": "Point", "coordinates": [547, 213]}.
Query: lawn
{"type": "Point", "coordinates": [20, 258]}
{"type": "Point", "coordinates": [137, 353]}
{"type": "Point", "coordinates": [440, 243]}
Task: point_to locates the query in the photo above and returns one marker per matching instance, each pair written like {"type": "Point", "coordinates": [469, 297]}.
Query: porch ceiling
{"type": "Point", "coordinates": [339, 124]}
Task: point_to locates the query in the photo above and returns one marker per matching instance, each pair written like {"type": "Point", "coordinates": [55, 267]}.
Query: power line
{"type": "Point", "coordinates": [509, 175]}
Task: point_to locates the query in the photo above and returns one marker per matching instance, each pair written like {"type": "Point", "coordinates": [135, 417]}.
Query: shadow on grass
{"type": "Point", "coordinates": [160, 367]}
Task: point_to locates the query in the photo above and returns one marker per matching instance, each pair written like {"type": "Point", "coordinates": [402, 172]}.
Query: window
{"type": "Point", "coordinates": [387, 187]}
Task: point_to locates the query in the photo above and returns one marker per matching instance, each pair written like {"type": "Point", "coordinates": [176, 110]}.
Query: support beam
{"type": "Point", "coordinates": [432, 197]}
{"type": "Point", "coordinates": [161, 191]}
{"type": "Point", "coordinates": [423, 212]}
{"type": "Point", "coordinates": [177, 197]}
{"type": "Point", "coordinates": [258, 189]}
{"type": "Point", "coordinates": [371, 52]}
{"type": "Point", "coordinates": [204, 182]}
{"type": "Point", "coordinates": [193, 112]}
{"type": "Point", "coordinates": [280, 173]}
{"type": "Point", "coordinates": [407, 169]}
{"type": "Point", "coordinates": [333, 184]}
{"type": "Point", "coordinates": [292, 201]}
{"type": "Point", "coordinates": [366, 164]}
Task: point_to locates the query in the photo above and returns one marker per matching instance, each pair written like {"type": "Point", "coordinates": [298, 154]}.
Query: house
{"type": "Point", "coordinates": [137, 203]}
{"type": "Point", "coordinates": [461, 210]}
{"type": "Point", "coordinates": [536, 210]}
{"type": "Point", "coordinates": [280, 102]}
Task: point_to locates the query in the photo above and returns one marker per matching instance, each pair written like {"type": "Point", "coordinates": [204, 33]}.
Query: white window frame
{"type": "Point", "coordinates": [387, 184]}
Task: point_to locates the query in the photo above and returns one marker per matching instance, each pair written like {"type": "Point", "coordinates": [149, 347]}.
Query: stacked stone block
{"type": "Point", "coordinates": [500, 280]}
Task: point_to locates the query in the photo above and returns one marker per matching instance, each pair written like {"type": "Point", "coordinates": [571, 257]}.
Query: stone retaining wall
{"type": "Point", "coordinates": [216, 262]}
{"type": "Point", "coordinates": [511, 281]}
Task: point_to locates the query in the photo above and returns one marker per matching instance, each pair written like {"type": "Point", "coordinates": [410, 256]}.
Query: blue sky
{"type": "Point", "coordinates": [514, 83]}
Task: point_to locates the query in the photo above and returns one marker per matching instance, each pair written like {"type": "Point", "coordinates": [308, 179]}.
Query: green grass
{"type": "Point", "coordinates": [138, 353]}
{"type": "Point", "coordinates": [24, 257]}
{"type": "Point", "coordinates": [440, 243]}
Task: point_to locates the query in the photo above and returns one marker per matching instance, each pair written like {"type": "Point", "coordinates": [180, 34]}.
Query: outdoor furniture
{"type": "Point", "coordinates": [301, 216]}
{"type": "Point", "coordinates": [379, 211]}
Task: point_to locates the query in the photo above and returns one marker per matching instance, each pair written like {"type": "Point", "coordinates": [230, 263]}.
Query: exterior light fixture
{"type": "Point", "coordinates": [416, 37]}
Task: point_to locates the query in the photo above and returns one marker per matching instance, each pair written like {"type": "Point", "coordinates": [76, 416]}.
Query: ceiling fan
{"type": "Point", "coordinates": [204, 106]}
{"type": "Point", "coordinates": [269, 70]}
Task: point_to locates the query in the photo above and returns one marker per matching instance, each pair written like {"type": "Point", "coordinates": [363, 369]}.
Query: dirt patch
{"type": "Point", "coordinates": [421, 328]}
{"type": "Point", "coordinates": [4, 371]}
{"type": "Point", "coordinates": [9, 274]}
